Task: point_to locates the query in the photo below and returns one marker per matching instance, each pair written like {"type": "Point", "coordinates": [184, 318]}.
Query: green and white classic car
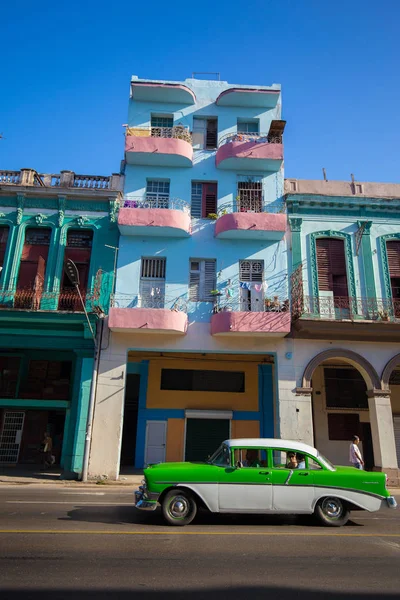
{"type": "Point", "coordinates": [262, 476]}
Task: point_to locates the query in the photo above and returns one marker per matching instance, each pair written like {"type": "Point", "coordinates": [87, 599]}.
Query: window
{"type": "Point", "coordinates": [152, 283]}
{"type": "Point", "coordinates": [221, 457]}
{"type": "Point", "coordinates": [250, 457]}
{"type": "Point", "coordinates": [3, 244]}
{"type": "Point", "coordinates": [47, 380]}
{"type": "Point", "coordinates": [204, 199]}
{"type": "Point", "coordinates": [202, 280]}
{"type": "Point", "coordinates": [160, 121]}
{"type": "Point", "coordinates": [205, 133]}
{"type": "Point", "coordinates": [250, 195]}
{"type": "Point", "coordinates": [79, 250]}
{"type": "Point", "coordinates": [332, 272]}
{"type": "Point", "coordinates": [32, 268]}
{"type": "Point", "coordinates": [345, 388]}
{"type": "Point", "coordinates": [247, 126]}
{"type": "Point", "coordinates": [313, 465]}
{"type": "Point", "coordinates": [199, 380]}
{"type": "Point", "coordinates": [157, 193]}
{"type": "Point", "coordinates": [9, 370]}
{"type": "Point", "coordinates": [251, 294]}
{"type": "Point", "coordinates": [393, 254]}
{"type": "Point", "coordinates": [342, 426]}
{"type": "Point", "coordinates": [289, 459]}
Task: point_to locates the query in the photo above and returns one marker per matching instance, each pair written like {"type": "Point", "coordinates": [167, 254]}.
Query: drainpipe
{"type": "Point", "coordinates": [93, 387]}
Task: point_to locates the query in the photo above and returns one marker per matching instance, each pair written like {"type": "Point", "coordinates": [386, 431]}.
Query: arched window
{"type": "Point", "coordinates": [32, 268]}
{"type": "Point", "coordinates": [79, 250]}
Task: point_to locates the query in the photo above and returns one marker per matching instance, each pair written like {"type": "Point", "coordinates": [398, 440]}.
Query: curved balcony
{"type": "Point", "coordinates": [155, 216]}
{"type": "Point", "coordinates": [159, 146]}
{"type": "Point", "coordinates": [158, 316]}
{"type": "Point", "coordinates": [248, 97]}
{"type": "Point", "coordinates": [250, 151]}
{"type": "Point", "coordinates": [251, 220]}
{"type": "Point", "coordinates": [242, 318]}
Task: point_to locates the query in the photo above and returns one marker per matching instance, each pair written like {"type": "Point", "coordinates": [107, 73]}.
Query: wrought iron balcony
{"type": "Point", "coordinates": [251, 204]}
{"type": "Point", "coordinates": [158, 301]}
{"type": "Point", "coordinates": [240, 317]}
{"type": "Point", "coordinates": [237, 304]}
{"type": "Point", "coordinates": [156, 201]}
{"type": "Point", "coordinates": [35, 300]}
{"type": "Point", "coordinates": [177, 132]}
{"type": "Point", "coordinates": [342, 308]}
{"type": "Point", "coordinates": [256, 138]}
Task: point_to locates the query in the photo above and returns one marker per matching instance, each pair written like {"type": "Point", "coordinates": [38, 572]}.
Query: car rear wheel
{"type": "Point", "coordinates": [332, 511]}
{"type": "Point", "coordinates": [179, 507]}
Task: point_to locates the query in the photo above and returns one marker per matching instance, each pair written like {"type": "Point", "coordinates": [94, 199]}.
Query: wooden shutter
{"type": "Point", "coordinates": [194, 281]}
{"type": "Point", "coordinates": [202, 280]}
{"type": "Point", "coordinates": [211, 135]}
{"type": "Point", "coordinates": [209, 199]}
{"type": "Point", "coordinates": [209, 280]}
{"type": "Point", "coordinates": [393, 254]}
{"type": "Point", "coordinates": [331, 261]}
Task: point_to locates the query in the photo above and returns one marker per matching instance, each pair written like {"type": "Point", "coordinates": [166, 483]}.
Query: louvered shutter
{"type": "Point", "coordinates": [202, 280]}
{"type": "Point", "coordinates": [209, 279]}
{"type": "Point", "coordinates": [331, 261]}
{"type": "Point", "coordinates": [324, 274]}
{"type": "Point", "coordinates": [393, 254]}
{"type": "Point", "coordinates": [211, 135]}
{"type": "Point", "coordinates": [209, 200]}
{"type": "Point", "coordinates": [152, 283]}
{"type": "Point", "coordinates": [194, 281]}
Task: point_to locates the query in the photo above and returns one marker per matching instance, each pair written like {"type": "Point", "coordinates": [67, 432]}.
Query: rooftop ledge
{"type": "Point", "coordinates": [320, 187]}
{"type": "Point", "coordinates": [157, 91]}
{"type": "Point", "coordinates": [249, 97]}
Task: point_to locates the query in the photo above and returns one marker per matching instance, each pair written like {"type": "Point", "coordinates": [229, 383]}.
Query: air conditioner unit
{"type": "Point", "coordinates": [326, 304]}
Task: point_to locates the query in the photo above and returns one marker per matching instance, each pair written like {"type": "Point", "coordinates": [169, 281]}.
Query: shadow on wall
{"type": "Point", "coordinates": [215, 593]}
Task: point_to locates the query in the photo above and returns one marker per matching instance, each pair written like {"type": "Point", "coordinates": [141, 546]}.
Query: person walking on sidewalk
{"type": "Point", "coordinates": [355, 454]}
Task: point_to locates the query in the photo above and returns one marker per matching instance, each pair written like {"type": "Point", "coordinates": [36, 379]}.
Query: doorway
{"type": "Point", "coordinates": [203, 436]}
{"type": "Point", "coordinates": [129, 430]}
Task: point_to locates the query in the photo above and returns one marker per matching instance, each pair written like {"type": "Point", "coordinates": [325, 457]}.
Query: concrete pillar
{"type": "Point", "coordinates": [117, 182]}
{"type": "Point", "coordinates": [381, 418]}
{"type": "Point", "coordinates": [67, 179]}
{"type": "Point", "coordinates": [109, 412]}
{"type": "Point", "coordinates": [27, 176]}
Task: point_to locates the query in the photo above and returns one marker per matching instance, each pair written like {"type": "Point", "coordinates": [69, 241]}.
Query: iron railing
{"type": "Point", "coordinates": [257, 138]}
{"type": "Point", "coordinates": [250, 206]}
{"type": "Point", "coordinates": [121, 300]}
{"type": "Point", "coordinates": [342, 308]}
{"type": "Point", "coordinates": [156, 201]}
{"type": "Point", "coordinates": [177, 132]}
{"type": "Point", "coordinates": [35, 300]}
{"type": "Point", "coordinates": [273, 305]}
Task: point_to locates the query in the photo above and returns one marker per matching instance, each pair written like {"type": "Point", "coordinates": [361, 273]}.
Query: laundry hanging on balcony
{"type": "Point", "coordinates": [250, 285]}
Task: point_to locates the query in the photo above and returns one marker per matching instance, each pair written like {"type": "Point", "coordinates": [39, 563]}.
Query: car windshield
{"type": "Point", "coordinates": [221, 457]}
{"type": "Point", "coordinates": [325, 461]}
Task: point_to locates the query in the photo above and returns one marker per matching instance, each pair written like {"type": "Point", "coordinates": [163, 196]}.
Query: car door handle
{"type": "Point", "coordinates": [264, 473]}
{"type": "Point", "coordinates": [303, 474]}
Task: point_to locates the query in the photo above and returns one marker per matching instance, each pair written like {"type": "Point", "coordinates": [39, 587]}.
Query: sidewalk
{"type": "Point", "coordinates": [32, 475]}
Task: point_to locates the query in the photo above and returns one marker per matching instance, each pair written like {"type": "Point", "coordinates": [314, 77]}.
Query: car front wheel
{"type": "Point", "coordinates": [332, 512]}
{"type": "Point", "coordinates": [179, 507]}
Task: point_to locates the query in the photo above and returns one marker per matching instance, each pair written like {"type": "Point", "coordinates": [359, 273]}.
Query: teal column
{"type": "Point", "coordinates": [75, 444]}
{"type": "Point", "coordinates": [367, 264]}
{"type": "Point", "coordinates": [295, 227]}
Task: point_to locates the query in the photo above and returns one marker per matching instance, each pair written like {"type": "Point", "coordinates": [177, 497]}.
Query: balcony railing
{"type": "Point", "coordinates": [65, 179]}
{"type": "Point", "coordinates": [257, 138]}
{"type": "Point", "coordinates": [146, 301]}
{"type": "Point", "coordinates": [342, 308]}
{"type": "Point", "coordinates": [270, 305]}
{"type": "Point", "coordinates": [156, 201]}
{"type": "Point", "coordinates": [34, 300]}
{"type": "Point", "coordinates": [250, 205]}
{"type": "Point", "coordinates": [177, 132]}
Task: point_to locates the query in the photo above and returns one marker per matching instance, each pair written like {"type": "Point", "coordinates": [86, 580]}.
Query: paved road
{"type": "Point", "coordinates": [93, 543]}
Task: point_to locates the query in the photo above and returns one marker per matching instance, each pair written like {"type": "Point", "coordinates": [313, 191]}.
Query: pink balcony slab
{"type": "Point", "coordinates": [161, 222]}
{"type": "Point", "coordinates": [148, 320]}
{"type": "Point", "coordinates": [249, 155]}
{"type": "Point", "coordinates": [271, 324]}
{"type": "Point", "coordinates": [251, 226]}
{"type": "Point", "coordinates": [158, 151]}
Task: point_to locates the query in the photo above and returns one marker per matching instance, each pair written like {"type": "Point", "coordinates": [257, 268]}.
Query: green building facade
{"type": "Point", "coordinates": [46, 342]}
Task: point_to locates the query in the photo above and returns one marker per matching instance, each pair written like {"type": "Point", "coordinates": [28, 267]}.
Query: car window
{"type": "Point", "coordinates": [250, 457]}
{"type": "Point", "coordinates": [222, 457]}
{"type": "Point", "coordinates": [288, 459]}
{"type": "Point", "coordinates": [312, 464]}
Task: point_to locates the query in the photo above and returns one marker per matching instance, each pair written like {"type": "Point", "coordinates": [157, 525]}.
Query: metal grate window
{"type": "Point", "coordinates": [10, 438]}
{"type": "Point", "coordinates": [247, 126]}
{"type": "Point", "coordinates": [152, 283]}
{"type": "Point", "coordinates": [162, 121]}
{"type": "Point", "coordinates": [79, 239]}
{"type": "Point", "coordinates": [38, 237]}
{"type": "Point", "coordinates": [251, 270]}
{"type": "Point", "coordinates": [202, 280]}
{"type": "Point", "coordinates": [197, 196]}
{"type": "Point", "coordinates": [157, 193]}
{"type": "Point", "coordinates": [250, 196]}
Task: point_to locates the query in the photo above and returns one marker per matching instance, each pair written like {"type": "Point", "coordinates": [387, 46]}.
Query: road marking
{"type": "Point", "coordinates": [69, 503]}
{"type": "Point", "coordinates": [83, 493]}
{"type": "Point", "coordinates": [221, 533]}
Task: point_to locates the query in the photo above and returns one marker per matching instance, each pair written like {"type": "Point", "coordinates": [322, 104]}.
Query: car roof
{"type": "Point", "coordinates": [271, 442]}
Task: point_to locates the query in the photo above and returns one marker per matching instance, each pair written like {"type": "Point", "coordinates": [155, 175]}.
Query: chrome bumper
{"type": "Point", "coordinates": [143, 502]}
{"type": "Point", "coordinates": [391, 501]}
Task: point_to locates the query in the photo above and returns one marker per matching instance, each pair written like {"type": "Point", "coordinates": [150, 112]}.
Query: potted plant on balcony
{"type": "Point", "coordinates": [212, 216]}
{"type": "Point", "coordinates": [384, 315]}
{"type": "Point", "coordinates": [268, 304]}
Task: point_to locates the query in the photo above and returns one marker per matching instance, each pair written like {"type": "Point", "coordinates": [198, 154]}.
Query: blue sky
{"type": "Point", "coordinates": [66, 69]}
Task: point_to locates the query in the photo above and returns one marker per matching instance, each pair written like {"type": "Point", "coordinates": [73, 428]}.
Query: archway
{"type": "Point", "coordinates": [391, 382]}
{"type": "Point", "coordinates": [339, 382]}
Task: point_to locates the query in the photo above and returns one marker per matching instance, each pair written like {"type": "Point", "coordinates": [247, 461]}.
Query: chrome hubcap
{"type": "Point", "coordinates": [179, 507]}
{"type": "Point", "coordinates": [332, 507]}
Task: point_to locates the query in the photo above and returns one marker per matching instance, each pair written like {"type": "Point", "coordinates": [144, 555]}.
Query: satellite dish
{"type": "Point", "coordinates": [71, 271]}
